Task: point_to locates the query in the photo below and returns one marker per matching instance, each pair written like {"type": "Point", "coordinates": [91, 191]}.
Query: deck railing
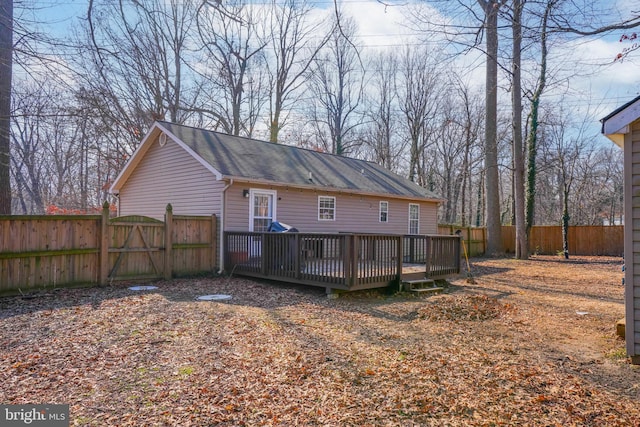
{"type": "Point", "coordinates": [340, 260]}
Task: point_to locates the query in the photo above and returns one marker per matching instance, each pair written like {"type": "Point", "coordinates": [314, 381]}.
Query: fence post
{"type": "Point", "coordinates": [104, 245]}
{"type": "Point", "coordinates": [214, 243]}
{"type": "Point", "coordinates": [458, 254]}
{"type": "Point", "coordinates": [168, 256]}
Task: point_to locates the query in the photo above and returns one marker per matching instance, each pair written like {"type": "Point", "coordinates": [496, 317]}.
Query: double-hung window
{"type": "Point", "coordinates": [384, 211]}
{"type": "Point", "coordinates": [414, 218]}
{"type": "Point", "coordinates": [326, 208]}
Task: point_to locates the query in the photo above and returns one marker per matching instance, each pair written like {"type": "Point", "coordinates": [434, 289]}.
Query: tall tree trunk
{"type": "Point", "coordinates": [463, 190]}
{"type": "Point", "coordinates": [492, 182]}
{"type": "Point", "coordinates": [480, 201]}
{"type": "Point", "coordinates": [6, 56]}
{"type": "Point", "coordinates": [532, 139]}
{"type": "Point", "coordinates": [522, 249]}
{"type": "Point", "coordinates": [565, 221]}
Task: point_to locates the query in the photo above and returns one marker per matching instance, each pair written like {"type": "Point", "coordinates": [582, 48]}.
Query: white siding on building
{"type": "Point", "coordinates": [168, 174]}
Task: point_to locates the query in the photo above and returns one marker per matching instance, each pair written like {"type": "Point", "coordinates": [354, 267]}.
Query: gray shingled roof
{"type": "Point", "coordinates": [244, 158]}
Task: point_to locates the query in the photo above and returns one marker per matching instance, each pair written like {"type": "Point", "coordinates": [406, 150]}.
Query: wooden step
{"type": "Point", "coordinates": [426, 290]}
{"type": "Point", "coordinates": [420, 285]}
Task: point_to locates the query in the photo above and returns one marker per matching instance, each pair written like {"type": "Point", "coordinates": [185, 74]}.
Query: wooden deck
{"type": "Point", "coordinates": [341, 261]}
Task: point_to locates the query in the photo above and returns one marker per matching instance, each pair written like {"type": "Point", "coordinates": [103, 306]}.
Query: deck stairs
{"type": "Point", "coordinates": [421, 285]}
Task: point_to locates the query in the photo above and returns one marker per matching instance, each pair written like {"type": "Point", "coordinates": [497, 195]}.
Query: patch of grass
{"type": "Point", "coordinates": [80, 420]}
{"type": "Point", "coordinates": [617, 354]}
{"type": "Point", "coordinates": [186, 370]}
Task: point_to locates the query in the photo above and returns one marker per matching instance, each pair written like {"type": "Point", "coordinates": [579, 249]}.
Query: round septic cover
{"type": "Point", "coordinates": [143, 288]}
{"type": "Point", "coordinates": [215, 297]}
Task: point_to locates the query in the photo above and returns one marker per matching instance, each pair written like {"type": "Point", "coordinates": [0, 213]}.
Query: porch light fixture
{"type": "Point", "coordinates": [245, 193]}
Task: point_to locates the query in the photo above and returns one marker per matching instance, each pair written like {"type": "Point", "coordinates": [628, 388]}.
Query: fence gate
{"type": "Point", "coordinates": [136, 248]}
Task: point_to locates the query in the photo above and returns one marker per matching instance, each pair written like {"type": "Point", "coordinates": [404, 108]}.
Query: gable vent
{"type": "Point", "coordinates": [162, 139]}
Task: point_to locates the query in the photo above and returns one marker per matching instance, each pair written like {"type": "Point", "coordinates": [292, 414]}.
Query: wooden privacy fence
{"type": "Point", "coordinates": [583, 239]}
{"type": "Point", "coordinates": [474, 238]}
{"type": "Point", "coordinates": [547, 239]}
{"type": "Point", "coordinates": [51, 250]}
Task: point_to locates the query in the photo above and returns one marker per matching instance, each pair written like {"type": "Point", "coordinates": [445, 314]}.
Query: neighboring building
{"type": "Point", "coordinates": [622, 126]}
{"type": "Point", "coordinates": [248, 184]}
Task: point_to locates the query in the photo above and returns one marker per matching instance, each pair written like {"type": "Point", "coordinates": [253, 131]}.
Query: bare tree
{"type": "Point", "coordinates": [337, 88]}
{"type": "Point", "coordinates": [608, 188]}
{"type": "Point", "coordinates": [6, 60]}
{"type": "Point", "coordinates": [471, 120]}
{"type": "Point", "coordinates": [46, 155]}
{"type": "Point", "coordinates": [292, 40]}
{"type": "Point", "coordinates": [458, 151]}
{"type": "Point", "coordinates": [419, 98]}
{"type": "Point", "coordinates": [559, 17]}
{"type": "Point", "coordinates": [569, 148]}
{"type": "Point", "coordinates": [381, 134]}
{"type": "Point", "coordinates": [449, 148]}
{"type": "Point", "coordinates": [131, 69]}
{"type": "Point", "coordinates": [234, 40]}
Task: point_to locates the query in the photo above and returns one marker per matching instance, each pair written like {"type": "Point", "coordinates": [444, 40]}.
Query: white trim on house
{"type": "Point", "coordinates": [273, 194]}
{"type": "Point", "coordinates": [416, 229]}
{"type": "Point", "coordinates": [619, 122]}
{"type": "Point", "coordinates": [616, 125]}
{"type": "Point", "coordinates": [333, 209]}
{"type": "Point", "coordinates": [384, 211]}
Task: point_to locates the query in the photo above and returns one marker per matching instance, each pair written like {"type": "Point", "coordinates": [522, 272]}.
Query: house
{"type": "Point", "coordinates": [622, 126]}
{"type": "Point", "coordinates": [248, 184]}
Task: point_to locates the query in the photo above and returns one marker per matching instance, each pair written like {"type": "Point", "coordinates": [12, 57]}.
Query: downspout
{"type": "Point", "coordinates": [117, 196]}
{"type": "Point", "coordinates": [223, 214]}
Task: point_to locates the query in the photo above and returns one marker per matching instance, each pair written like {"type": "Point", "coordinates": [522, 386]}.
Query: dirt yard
{"type": "Point", "coordinates": [530, 343]}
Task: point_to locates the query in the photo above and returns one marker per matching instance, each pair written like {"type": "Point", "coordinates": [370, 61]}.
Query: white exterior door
{"type": "Point", "coordinates": [262, 208]}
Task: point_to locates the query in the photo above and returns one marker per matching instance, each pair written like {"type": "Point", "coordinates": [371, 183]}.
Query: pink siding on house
{"type": "Point", "coordinates": [354, 213]}
{"type": "Point", "coordinates": [236, 208]}
{"type": "Point", "coordinates": [168, 174]}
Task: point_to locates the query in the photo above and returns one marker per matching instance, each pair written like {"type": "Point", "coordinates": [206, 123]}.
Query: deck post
{"type": "Point", "coordinates": [399, 259]}
{"type": "Point", "coordinates": [266, 244]}
{"type": "Point", "coordinates": [297, 254]}
{"type": "Point", "coordinates": [412, 249]}
{"type": "Point", "coordinates": [429, 249]}
{"type": "Point", "coordinates": [355, 246]}
{"type": "Point", "coordinates": [458, 254]}
{"type": "Point", "coordinates": [400, 256]}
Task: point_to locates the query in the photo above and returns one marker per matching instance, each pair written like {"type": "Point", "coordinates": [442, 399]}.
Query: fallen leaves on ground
{"type": "Point", "coordinates": [508, 350]}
